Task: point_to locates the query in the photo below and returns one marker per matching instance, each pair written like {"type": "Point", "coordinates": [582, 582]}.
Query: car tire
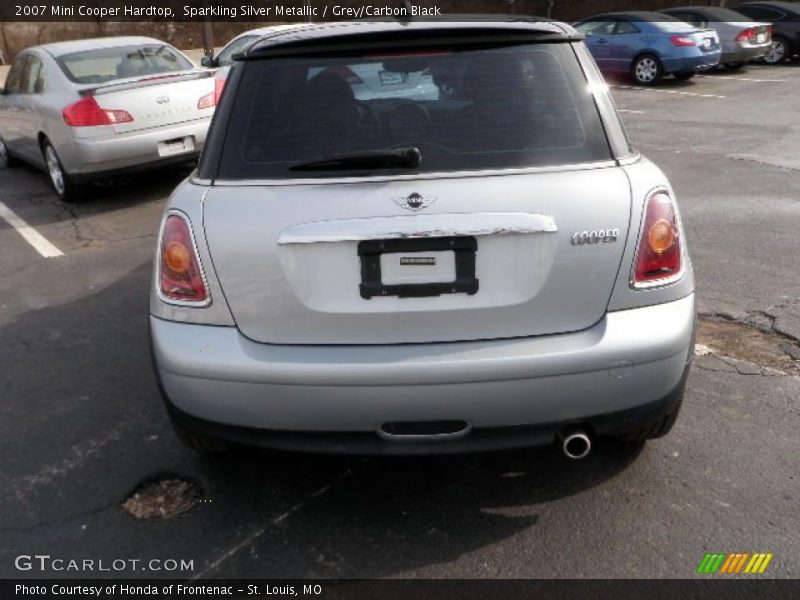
{"type": "Point", "coordinates": [685, 76]}
{"type": "Point", "coordinates": [6, 160]}
{"type": "Point", "coordinates": [62, 183]}
{"type": "Point", "coordinates": [733, 66]}
{"type": "Point", "coordinates": [647, 69]}
{"type": "Point", "coordinates": [778, 51]}
{"type": "Point", "coordinates": [199, 442]}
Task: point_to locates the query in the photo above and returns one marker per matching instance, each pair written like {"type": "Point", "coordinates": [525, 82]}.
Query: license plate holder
{"type": "Point", "coordinates": [175, 146]}
{"type": "Point", "coordinates": [463, 247]}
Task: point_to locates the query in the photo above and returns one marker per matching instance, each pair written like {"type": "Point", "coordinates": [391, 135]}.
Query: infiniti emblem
{"type": "Point", "coordinates": [162, 99]}
{"type": "Point", "coordinates": [415, 201]}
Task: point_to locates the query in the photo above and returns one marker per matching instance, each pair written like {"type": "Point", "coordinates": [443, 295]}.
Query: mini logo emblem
{"type": "Point", "coordinates": [415, 201]}
{"type": "Point", "coordinates": [163, 99]}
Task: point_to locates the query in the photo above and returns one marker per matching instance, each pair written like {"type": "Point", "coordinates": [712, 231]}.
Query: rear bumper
{"type": "Point", "coordinates": [484, 439]}
{"type": "Point", "coordinates": [741, 55]}
{"type": "Point", "coordinates": [624, 371]}
{"type": "Point", "coordinates": [691, 63]}
{"type": "Point", "coordinates": [91, 157]}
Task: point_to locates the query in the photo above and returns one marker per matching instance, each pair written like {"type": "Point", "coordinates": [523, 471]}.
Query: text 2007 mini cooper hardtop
{"type": "Point", "coordinates": [423, 237]}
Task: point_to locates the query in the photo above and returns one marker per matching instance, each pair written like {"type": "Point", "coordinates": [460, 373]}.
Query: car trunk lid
{"type": "Point", "coordinates": [156, 100]}
{"type": "Point", "coordinates": [544, 248]}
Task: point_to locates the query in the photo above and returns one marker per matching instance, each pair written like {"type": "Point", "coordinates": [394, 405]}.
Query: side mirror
{"type": "Point", "coordinates": [208, 62]}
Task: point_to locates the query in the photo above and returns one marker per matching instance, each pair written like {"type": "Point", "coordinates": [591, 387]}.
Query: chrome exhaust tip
{"type": "Point", "coordinates": [576, 445]}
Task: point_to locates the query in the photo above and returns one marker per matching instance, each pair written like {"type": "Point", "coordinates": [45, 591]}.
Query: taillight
{"type": "Point", "coordinates": [658, 258]}
{"type": "Point", "coordinates": [683, 40]}
{"type": "Point", "coordinates": [180, 276]}
{"type": "Point", "coordinates": [746, 35]}
{"type": "Point", "coordinates": [212, 99]}
{"type": "Point", "coordinates": [87, 113]}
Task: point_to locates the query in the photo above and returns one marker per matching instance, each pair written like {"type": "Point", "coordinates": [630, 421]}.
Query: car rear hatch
{"type": "Point", "coordinates": [293, 260]}
{"type": "Point", "coordinates": [513, 222]}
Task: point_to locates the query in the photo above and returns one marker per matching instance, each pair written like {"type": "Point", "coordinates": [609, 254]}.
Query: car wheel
{"type": "Point", "coordinates": [685, 76]}
{"type": "Point", "coordinates": [734, 66]}
{"type": "Point", "coordinates": [777, 52]}
{"type": "Point", "coordinates": [6, 160]}
{"type": "Point", "coordinates": [647, 70]}
{"type": "Point", "coordinates": [62, 184]}
{"type": "Point", "coordinates": [199, 442]}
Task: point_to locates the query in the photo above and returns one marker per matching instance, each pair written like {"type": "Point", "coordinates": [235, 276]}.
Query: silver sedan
{"type": "Point", "coordinates": [91, 108]}
{"type": "Point", "coordinates": [741, 38]}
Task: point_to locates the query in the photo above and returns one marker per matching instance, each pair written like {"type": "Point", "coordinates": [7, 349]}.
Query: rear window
{"type": "Point", "coordinates": [672, 25]}
{"type": "Point", "coordinates": [108, 64]}
{"type": "Point", "coordinates": [519, 106]}
{"type": "Point", "coordinates": [723, 15]}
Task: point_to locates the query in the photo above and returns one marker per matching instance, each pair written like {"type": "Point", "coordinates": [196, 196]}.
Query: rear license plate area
{"type": "Point", "coordinates": [418, 268]}
{"type": "Point", "coordinates": [176, 146]}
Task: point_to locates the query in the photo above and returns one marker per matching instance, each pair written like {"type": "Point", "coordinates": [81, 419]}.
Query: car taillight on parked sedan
{"type": "Point", "coordinates": [751, 34]}
{"type": "Point", "coordinates": [683, 40]}
{"type": "Point", "coordinates": [180, 275]}
{"type": "Point", "coordinates": [658, 258]}
{"type": "Point", "coordinates": [212, 99]}
{"type": "Point", "coordinates": [86, 112]}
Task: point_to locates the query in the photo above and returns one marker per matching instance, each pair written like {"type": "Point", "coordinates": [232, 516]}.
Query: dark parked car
{"type": "Point", "coordinates": [741, 39]}
{"type": "Point", "coordinates": [785, 19]}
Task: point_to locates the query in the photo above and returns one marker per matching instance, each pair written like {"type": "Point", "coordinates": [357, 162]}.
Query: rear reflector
{"type": "Point", "coordinates": [86, 112]}
{"type": "Point", "coordinates": [683, 40]}
{"type": "Point", "coordinates": [181, 279]}
{"type": "Point", "coordinates": [658, 258]}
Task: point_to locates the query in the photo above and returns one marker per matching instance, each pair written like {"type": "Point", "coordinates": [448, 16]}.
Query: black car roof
{"type": "Point", "coordinates": [790, 6]}
{"type": "Point", "coordinates": [387, 30]}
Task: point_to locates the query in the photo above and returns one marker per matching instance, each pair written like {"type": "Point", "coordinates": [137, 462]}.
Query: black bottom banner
{"type": "Point", "coordinates": [403, 589]}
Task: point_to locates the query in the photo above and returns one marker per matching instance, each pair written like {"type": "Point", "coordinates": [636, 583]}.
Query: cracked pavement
{"type": "Point", "coordinates": [81, 422]}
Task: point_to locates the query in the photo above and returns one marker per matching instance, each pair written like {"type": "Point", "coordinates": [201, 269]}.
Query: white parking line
{"type": "Point", "coordinates": [660, 91]}
{"type": "Point", "coordinates": [626, 110]}
{"type": "Point", "coordinates": [742, 78]}
{"type": "Point", "coordinates": [33, 237]}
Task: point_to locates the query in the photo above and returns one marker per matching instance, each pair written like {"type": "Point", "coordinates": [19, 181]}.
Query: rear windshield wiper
{"type": "Point", "coordinates": [407, 158]}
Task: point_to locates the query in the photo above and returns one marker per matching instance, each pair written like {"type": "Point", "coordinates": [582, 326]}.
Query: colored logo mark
{"type": "Point", "coordinates": [727, 564]}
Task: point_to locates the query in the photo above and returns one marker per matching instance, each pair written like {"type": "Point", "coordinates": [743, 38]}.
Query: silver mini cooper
{"type": "Point", "coordinates": [418, 238]}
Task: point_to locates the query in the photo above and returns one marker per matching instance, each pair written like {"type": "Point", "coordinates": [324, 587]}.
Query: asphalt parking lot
{"type": "Point", "coordinates": [82, 425]}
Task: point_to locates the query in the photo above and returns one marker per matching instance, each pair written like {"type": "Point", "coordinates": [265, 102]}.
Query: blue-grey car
{"type": "Point", "coordinates": [649, 45]}
{"type": "Point", "coordinates": [485, 265]}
